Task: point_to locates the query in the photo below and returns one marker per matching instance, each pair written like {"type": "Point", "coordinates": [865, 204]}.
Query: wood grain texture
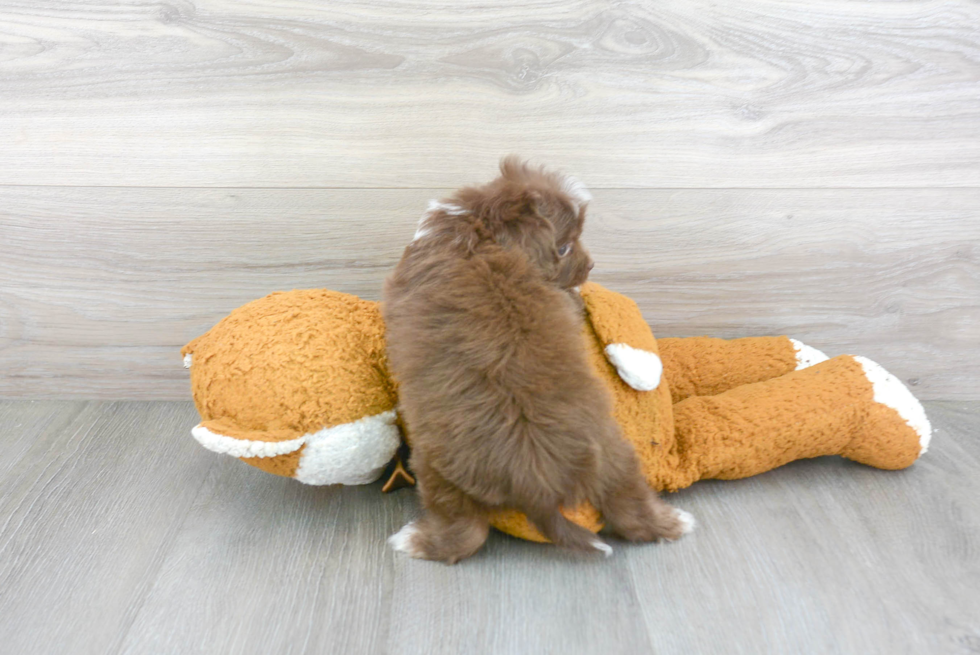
{"type": "Point", "coordinates": [761, 93]}
{"type": "Point", "coordinates": [86, 517]}
{"type": "Point", "coordinates": [826, 556]}
{"type": "Point", "coordinates": [266, 565]}
{"type": "Point", "coordinates": [99, 288]}
{"type": "Point", "coordinates": [516, 597]}
{"type": "Point", "coordinates": [25, 425]}
{"type": "Point", "coordinates": [118, 534]}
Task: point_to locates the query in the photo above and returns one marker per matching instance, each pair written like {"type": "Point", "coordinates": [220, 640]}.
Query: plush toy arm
{"type": "Point", "coordinates": [704, 366]}
{"type": "Point", "coordinates": [845, 406]}
{"type": "Point", "coordinates": [625, 337]}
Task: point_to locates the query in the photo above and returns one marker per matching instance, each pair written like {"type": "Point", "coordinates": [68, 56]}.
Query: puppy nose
{"type": "Point", "coordinates": [591, 265]}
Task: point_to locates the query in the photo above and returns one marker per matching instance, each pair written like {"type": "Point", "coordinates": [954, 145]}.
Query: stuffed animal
{"type": "Point", "coordinates": [297, 384]}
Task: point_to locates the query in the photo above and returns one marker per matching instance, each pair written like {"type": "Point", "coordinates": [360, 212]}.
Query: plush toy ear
{"type": "Point", "coordinates": [625, 337]}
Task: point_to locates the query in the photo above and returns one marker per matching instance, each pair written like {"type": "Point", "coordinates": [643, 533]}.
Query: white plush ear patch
{"type": "Point", "coordinates": [641, 369]}
{"type": "Point", "coordinates": [890, 391]}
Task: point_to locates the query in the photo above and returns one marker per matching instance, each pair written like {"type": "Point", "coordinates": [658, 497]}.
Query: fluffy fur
{"type": "Point", "coordinates": [484, 336]}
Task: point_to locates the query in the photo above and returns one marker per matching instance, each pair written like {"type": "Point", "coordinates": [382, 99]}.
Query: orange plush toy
{"type": "Point", "coordinates": [297, 384]}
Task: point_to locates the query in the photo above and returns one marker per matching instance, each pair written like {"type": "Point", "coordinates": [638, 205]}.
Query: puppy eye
{"type": "Point", "coordinates": [564, 250]}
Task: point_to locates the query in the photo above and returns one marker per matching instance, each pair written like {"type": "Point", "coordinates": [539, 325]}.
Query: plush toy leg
{"type": "Point", "coordinates": [704, 366]}
{"type": "Point", "coordinates": [845, 406]}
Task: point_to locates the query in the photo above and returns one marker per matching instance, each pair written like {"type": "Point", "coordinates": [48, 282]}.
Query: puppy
{"type": "Point", "coordinates": [485, 341]}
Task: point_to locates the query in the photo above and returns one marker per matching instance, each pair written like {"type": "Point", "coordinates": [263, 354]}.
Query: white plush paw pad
{"type": "Point", "coordinates": [890, 391]}
{"type": "Point", "coordinates": [641, 369]}
{"type": "Point", "coordinates": [188, 358]}
{"type": "Point", "coordinates": [602, 547]}
{"type": "Point", "coordinates": [404, 540]}
{"type": "Point", "coordinates": [686, 519]}
{"type": "Point", "coordinates": [807, 356]}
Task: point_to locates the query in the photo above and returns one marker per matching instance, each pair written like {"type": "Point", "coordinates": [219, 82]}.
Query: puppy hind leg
{"type": "Point", "coordinates": [566, 534]}
{"type": "Point", "coordinates": [630, 508]}
{"type": "Point", "coordinates": [452, 528]}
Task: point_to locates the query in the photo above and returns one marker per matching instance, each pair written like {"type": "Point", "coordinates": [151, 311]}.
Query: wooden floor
{"type": "Point", "coordinates": [116, 536]}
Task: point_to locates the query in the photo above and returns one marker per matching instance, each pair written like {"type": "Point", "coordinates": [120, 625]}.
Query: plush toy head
{"type": "Point", "coordinates": [297, 384]}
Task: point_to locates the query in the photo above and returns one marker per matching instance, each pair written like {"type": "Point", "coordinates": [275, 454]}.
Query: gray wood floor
{"type": "Point", "coordinates": [119, 534]}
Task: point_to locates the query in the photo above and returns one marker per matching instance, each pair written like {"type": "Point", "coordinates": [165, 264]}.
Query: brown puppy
{"type": "Point", "coordinates": [484, 335]}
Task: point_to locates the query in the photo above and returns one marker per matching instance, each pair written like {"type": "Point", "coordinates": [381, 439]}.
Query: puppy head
{"type": "Point", "coordinates": [539, 212]}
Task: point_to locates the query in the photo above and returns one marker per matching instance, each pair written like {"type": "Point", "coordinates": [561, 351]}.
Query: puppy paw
{"type": "Point", "coordinates": [685, 520]}
{"type": "Point", "coordinates": [406, 541]}
{"type": "Point", "coordinates": [672, 524]}
{"type": "Point", "coordinates": [653, 520]}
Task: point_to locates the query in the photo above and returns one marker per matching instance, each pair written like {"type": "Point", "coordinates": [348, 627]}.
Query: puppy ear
{"type": "Point", "coordinates": [512, 167]}
{"type": "Point", "coordinates": [538, 242]}
{"type": "Point", "coordinates": [526, 227]}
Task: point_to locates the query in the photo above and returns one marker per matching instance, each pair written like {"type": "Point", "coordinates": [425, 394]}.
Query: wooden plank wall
{"type": "Point", "coordinates": [760, 168]}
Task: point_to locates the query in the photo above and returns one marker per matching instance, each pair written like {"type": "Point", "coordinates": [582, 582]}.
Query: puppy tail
{"type": "Point", "coordinates": [566, 534]}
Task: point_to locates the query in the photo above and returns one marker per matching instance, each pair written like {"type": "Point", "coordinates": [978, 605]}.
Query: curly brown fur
{"type": "Point", "coordinates": [485, 341]}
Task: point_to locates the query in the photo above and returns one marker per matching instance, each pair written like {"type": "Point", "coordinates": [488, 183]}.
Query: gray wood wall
{"type": "Point", "coordinates": [759, 168]}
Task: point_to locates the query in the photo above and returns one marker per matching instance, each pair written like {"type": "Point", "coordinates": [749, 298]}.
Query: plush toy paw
{"type": "Point", "coordinates": [807, 356]}
{"type": "Point", "coordinates": [895, 431]}
{"type": "Point", "coordinates": [638, 368]}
